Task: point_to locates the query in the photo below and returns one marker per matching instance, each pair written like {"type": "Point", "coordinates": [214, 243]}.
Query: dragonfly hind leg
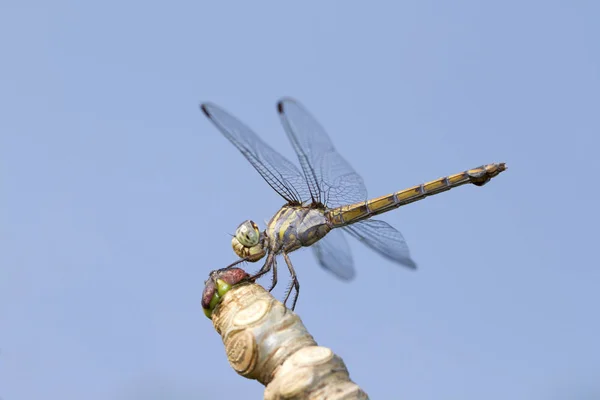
{"type": "Point", "coordinates": [295, 284]}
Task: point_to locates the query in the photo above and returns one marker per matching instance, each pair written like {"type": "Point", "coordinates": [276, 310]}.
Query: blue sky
{"type": "Point", "coordinates": [119, 196]}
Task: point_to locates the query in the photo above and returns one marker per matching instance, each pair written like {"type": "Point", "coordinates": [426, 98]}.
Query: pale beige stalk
{"type": "Point", "coordinates": [267, 342]}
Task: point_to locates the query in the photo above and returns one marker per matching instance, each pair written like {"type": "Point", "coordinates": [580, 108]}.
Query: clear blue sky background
{"type": "Point", "coordinates": [118, 195]}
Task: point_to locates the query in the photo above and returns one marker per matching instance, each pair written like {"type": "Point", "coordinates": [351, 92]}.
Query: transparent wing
{"type": "Point", "coordinates": [283, 176]}
{"type": "Point", "coordinates": [384, 239]}
{"type": "Point", "coordinates": [333, 254]}
{"type": "Point", "coordinates": [331, 179]}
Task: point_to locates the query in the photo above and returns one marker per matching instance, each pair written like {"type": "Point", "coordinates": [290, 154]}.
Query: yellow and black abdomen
{"type": "Point", "coordinates": [345, 215]}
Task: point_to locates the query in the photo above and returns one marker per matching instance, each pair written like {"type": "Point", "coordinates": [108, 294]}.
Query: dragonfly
{"type": "Point", "coordinates": [324, 198]}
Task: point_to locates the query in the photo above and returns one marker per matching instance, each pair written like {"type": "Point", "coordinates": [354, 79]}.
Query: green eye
{"type": "Point", "coordinates": [248, 234]}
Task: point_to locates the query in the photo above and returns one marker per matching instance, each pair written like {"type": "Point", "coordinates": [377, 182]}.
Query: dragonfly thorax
{"type": "Point", "coordinates": [247, 242]}
{"type": "Point", "coordinates": [294, 227]}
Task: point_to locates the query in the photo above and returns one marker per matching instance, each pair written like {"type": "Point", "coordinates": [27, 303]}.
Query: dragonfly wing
{"type": "Point", "coordinates": [384, 239]}
{"type": "Point", "coordinates": [330, 178]}
{"type": "Point", "coordinates": [283, 176]}
{"type": "Point", "coordinates": [333, 254]}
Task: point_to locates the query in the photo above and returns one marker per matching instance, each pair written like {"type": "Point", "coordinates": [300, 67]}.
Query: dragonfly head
{"type": "Point", "coordinates": [247, 241]}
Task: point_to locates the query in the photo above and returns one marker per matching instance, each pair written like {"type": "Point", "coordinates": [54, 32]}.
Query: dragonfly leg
{"type": "Point", "coordinates": [274, 276]}
{"type": "Point", "coordinates": [269, 263]}
{"type": "Point", "coordinates": [233, 264]}
{"type": "Point", "coordinates": [295, 284]}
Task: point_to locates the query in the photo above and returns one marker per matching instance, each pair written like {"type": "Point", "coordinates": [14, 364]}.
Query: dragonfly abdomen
{"type": "Point", "coordinates": [352, 213]}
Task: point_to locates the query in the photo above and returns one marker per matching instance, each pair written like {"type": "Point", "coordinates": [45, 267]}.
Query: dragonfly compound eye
{"type": "Point", "coordinates": [247, 234]}
{"type": "Point", "coordinates": [247, 242]}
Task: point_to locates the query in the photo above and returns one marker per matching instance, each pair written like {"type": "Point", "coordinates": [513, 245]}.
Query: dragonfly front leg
{"type": "Point", "coordinates": [233, 264]}
{"type": "Point", "coordinates": [295, 284]}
